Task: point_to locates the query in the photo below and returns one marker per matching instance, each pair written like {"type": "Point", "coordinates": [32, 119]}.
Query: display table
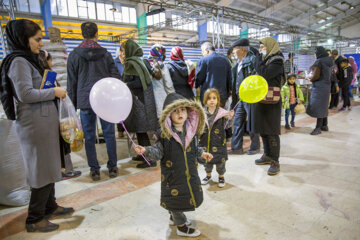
{"type": "Point", "coordinates": [307, 85]}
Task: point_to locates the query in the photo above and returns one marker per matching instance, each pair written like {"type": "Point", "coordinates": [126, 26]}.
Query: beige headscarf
{"type": "Point", "coordinates": [272, 46]}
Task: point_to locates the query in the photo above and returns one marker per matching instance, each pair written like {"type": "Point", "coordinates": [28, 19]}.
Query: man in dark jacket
{"type": "Point", "coordinates": [289, 65]}
{"type": "Point", "coordinates": [87, 64]}
{"type": "Point", "coordinates": [213, 71]}
{"type": "Point", "coordinates": [340, 73]}
{"type": "Point", "coordinates": [345, 84]}
{"type": "Point", "coordinates": [241, 70]}
{"type": "Point", "coordinates": [334, 98]}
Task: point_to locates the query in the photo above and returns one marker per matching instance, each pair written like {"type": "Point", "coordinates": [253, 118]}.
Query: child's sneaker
{"type": "Point", "coordinates": [221, 182]}
{"type": "Point", "coordinates": [287, 127]}
{"type": "Point", "coordinates": [185, 231]}
{"type": "Point", "coordinates": [171, 221]}
{"type": "Point", "coordinates": [206, 180]}
{"type": "Point", "coordinates": [292, 124]}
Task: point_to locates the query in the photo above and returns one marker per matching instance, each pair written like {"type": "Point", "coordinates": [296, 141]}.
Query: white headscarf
{"type": "Point", "coordinates": [117, 54]}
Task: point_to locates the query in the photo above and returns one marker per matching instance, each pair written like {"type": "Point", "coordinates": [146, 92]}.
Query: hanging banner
{"type": "Point", "coordinates": [142, 24]}
{"type": "Point", "coordinates": [244, 34]}
{"type": "Point", "coordinates": [296, 45]}
{"type": "Point", "coordinates": [202, 32]}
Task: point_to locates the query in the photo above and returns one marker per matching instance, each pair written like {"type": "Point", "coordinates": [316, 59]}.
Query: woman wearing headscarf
{"type": "Point", "coordinates": [354, 71]}
{"type": "Point", "coordinates": [37, 121]}
{"type": "Point", "coordinates": [320, 90]}
{"type": "Point", "coordinates": [179, 73]}
{"type": "Point", "coordinates": [161, 80]}
{"type": "Point", "coordinates": [142, 117]}
{"type": "Point", "coordinates": [265, 119]}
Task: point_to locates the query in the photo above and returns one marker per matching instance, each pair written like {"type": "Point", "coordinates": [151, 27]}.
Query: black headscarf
{"type": "Point", "coordinates": [18, 44]}
{"type": "Point", "coordinates": [321, 52]}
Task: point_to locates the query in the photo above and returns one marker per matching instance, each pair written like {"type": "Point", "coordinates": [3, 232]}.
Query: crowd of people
{"type": "Point", "coordinates": [187, 132]}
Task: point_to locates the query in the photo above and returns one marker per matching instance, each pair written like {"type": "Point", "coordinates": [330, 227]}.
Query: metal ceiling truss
{"type": "Point", "coordinates": [234, 15]}
{"type": "Point", "coordinates": [314, 11]}
{"type": "Point", "coordinates": [167, 25]}
{"type": "Point", "coordinates": [239, 16]}
{"type": "Point", "coordinates": [340, 16]}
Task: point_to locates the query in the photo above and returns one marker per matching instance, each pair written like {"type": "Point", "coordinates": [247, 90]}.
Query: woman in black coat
{"type": "Point", "coordinates": [142, 117]}
{"type": "Point", "coordinates": [265, 119]}
{"type": "Point", "coordinates": [179, 73]}
{"type": "Point", "coordinates": [320, 90]}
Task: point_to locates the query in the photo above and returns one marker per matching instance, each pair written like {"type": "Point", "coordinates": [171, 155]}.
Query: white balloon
{"type": "Point", "coordinates": [111, 100]}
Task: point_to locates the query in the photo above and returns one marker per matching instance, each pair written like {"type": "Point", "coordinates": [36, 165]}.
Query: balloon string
{"type": "Point", "coordinates": [122, 123]}
{"type": "Point", "coordinates": [227, 122]}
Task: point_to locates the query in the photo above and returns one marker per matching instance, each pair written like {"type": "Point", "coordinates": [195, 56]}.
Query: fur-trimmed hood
{"type": "Point", "coordinates": [276, 57]}
{"type": "Point", "coordinates": [194, 124]}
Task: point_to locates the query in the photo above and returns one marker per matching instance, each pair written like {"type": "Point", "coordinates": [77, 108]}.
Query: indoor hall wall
{"type": "Point", "coordinates": [194, 54]}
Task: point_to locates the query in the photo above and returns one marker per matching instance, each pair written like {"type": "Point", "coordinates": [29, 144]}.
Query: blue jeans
{"type": "Point", "coordinates": [240, 115]}
{"type": "Point", "coordinates": [287, 113]}
{"type": "Point", "coordinates": [350, 92]}
{"type": "Point", "coordinates": [88, 121]}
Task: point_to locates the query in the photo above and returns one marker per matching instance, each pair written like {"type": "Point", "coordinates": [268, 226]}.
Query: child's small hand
{"type": "Point", "coordinates": [139, 149]}
{"type": "Point", "coordinates": [283, 105]}
{"type": "Point", "coordinates": [301, 102]}
{"type": "Point", "coordinates": [231, 114]}
{"type": "Point", "coordinates": [207, 156]}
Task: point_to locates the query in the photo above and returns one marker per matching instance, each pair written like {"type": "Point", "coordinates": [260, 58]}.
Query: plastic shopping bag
{"type": "Point", "coordinates": [300, 108]}
{"type": "Point", "coordinates": [70, 125]}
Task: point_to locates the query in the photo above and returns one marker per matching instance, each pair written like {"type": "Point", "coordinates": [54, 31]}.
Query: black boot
{"type": "Point", "coordinates": [325, 128]}
{"type": "Point", "coordinates": [274, 168]}
{"type": "Point", "coordinates": [146, 165]}
{"type": "Point", "coordinates": [138, 158]}
{"type": "Point", "coordinates": [42, 226]}
{"type": "Point", "coordinates": [263, 160]}
{"type": "Point", "coordinates": [316, 131]}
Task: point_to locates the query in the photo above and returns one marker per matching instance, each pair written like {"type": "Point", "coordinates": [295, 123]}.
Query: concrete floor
{"type": "Point", "coordinates": [315, 197]}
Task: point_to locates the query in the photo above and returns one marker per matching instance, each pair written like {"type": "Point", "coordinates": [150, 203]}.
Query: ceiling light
{"type": "Point", "coordinates": [271, 24]}
{"type": "Point", "coordinates": [352, 7]}
{"type": "Point", "coordinates": [330, 41]}
{"type": "Point", "coordinates": [113, 9]}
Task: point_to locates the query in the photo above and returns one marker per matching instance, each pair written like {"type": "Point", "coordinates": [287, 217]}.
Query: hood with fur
{"type": "Point", "coordinates": [194, 124]}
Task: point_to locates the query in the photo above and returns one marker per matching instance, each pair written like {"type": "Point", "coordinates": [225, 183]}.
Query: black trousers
{"type": "Point", "coordinates": [334, 100]}
{"type": "Point", "coordinates": [42, 202]}
{"type": "Point", "coordinates": [271, 146]}
{"type": "Point", "coordinates": [143, 139]}
{"type": "Point", "coordinates": [120, 127]}
{"type": "Point", "coordinates": [321, 122]}
{"type": "Point", "coordinates": [345, 94]}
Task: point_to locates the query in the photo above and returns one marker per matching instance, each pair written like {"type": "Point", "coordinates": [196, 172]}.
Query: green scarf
{"type": "Point", "coordinates": [134, 65]}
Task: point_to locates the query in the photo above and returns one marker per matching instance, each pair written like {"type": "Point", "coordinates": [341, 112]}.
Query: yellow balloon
{"type": "Point", "coordinates": [253, 89]}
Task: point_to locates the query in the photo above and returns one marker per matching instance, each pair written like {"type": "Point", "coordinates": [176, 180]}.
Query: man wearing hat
{"type": "Point", "coordinates": [244, 67]}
